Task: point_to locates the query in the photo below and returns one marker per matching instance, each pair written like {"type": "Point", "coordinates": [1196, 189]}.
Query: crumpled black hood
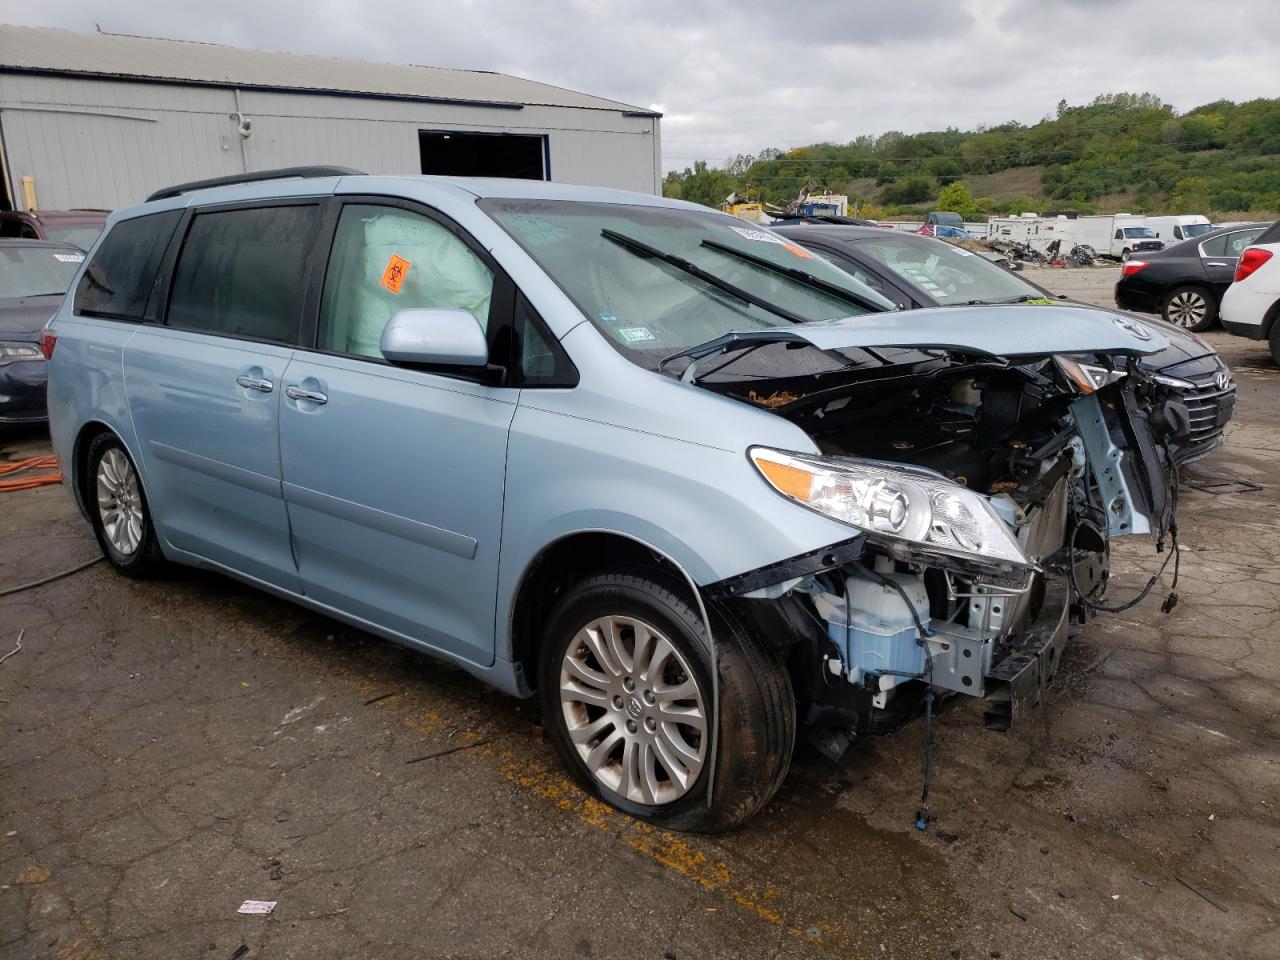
{"type": "Point", "coordinates": [23, 318]}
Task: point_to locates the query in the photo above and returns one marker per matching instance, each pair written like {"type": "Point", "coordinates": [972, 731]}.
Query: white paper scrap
{"type": "Point", "coordinates": [257, 906]}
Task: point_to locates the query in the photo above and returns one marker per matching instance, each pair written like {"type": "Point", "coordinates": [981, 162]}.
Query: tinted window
{"type": "Point", "coordinates": [385, 260]}
{"type": "Point", "coordinates": [33, 271]}
{"type": "Point", "coordinates": [1229, 244]}
{"type": "Point", "coordinates": [542, 362]}
{"type": "Point", "coordinates": [12, 227]}
{"type": "Point", "coordinates": [241, 272]}
{"type": "Point", "coordinates": [120, 276]}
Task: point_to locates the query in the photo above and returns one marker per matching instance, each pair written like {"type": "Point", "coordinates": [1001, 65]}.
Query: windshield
{"type": "Point", "coordinates": [615, 262]}
{"type": "Point", "coordinates": [947, 273]}
{"type": "Point", "coordinates": [1196, 229]}
{"type": "Point", "coordinates": [78, 235]}
{"type": "Point", "coordinates": [36, 271]}
{"type": "Point", "coordinates": [1139, 233]}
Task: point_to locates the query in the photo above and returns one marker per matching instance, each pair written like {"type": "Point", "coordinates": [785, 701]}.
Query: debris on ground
{"type": "Point", "coordinates": [257, 906]}
{"type": "Point", "coordinates": [1201, 892]}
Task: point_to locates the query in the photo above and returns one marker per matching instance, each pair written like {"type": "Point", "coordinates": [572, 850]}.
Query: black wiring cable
{"type": "Point", "coordinates": [922, 815]}
{"type": "Point", "coordinates": [10, 591]}
{"type": "Point", "coordinates": [1174, 554]}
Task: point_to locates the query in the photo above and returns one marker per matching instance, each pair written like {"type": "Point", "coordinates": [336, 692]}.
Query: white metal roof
{"type": "Point", "coordinates": [120, 56]}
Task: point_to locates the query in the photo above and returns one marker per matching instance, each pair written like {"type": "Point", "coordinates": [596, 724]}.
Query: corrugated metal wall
{"type": "Point", "coordinates": [101, 143]}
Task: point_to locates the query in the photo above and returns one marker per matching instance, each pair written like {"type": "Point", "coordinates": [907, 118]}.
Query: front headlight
{"type": "Point", "coordinates": [892, 502]}
{"type": "Point", "coordinates": [9, 352]}
{"type": "Point", "coordinates": [1088, 377]}
{"type": "Point", "coordinates": [1176, 382]}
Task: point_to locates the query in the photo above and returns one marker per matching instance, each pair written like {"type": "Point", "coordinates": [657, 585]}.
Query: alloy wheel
{"type": "Point", "coordinates": [119, 502]}
{"type": "Point", "coordinates": [633, 710]}
{"type": "Point", "coordinates": [1187, 308]}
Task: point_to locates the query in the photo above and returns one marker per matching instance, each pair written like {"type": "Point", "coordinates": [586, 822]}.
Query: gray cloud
{"type": "Point", "coordinates": [735, 77]}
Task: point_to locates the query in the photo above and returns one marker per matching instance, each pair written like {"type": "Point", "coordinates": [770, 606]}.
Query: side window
{"type": "Point", "coordinates": [1240, 239]}
{"type": "Point", "coordinates": [13, 227]}
{"type": "Point", "coordinates": [386, 259]}
{"type": "Point", "coordinates": [1119, 235]}
{"type": "Point", "coordinates": [120, 276]}
{"type": "Point", "coordinates": [1217, 246]}
{"type": "Point", "coordinates": [1177, 232]}
{"type": "Point", "coordinates": [241, 272]}
{"type": "Point", "coordinates": [542, 362]}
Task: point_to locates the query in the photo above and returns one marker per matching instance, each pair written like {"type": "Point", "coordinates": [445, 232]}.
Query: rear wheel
{"type": "Point", "coordinates": [625, 684]}
{"type": "Point", "coordinates": [118, 507]}
{"type": "Point", "coordinates": [1190, 307]}
{"type": "Point", "coordinates": [1275, 339]}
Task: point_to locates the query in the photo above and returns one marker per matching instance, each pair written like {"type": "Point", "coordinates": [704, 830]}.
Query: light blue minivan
{"type": "Point", "coordinates": [694, 487]}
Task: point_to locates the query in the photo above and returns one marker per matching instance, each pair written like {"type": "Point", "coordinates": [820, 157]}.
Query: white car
{"type": "Point", "coordinates": [1251, 306]}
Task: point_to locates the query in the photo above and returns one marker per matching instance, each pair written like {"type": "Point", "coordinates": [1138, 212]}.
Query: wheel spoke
{"type": "Point", "coordinates": [683, 716]}
{"type": "Point", "coordinates": [591, 636]}
{"type": "Point", "coordinates": [643, 649]}
{"type": "Point", "coordinates": [614, 638]}
{"type": "Point", "coordinates": [650, 786]}
{"type": "Point", "coordinates": [581, 672]}
{"type": "Point", "coordinates": [601, 751]}
{"type": "Point", "coordinates": [630, 785]}
{"type": "Point", "coordinates": [588, 732]}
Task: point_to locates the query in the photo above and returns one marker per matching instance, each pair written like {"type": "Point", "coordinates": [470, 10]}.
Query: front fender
{"type": "Point", "coordinates": [704, 507]}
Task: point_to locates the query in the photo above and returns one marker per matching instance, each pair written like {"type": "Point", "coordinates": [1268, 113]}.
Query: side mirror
{"type": "Point", "coordinates": [441, 338]}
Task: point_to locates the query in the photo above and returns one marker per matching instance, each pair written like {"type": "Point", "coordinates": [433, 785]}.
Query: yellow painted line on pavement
{"type": "Point", "coordinates": [684, 854]}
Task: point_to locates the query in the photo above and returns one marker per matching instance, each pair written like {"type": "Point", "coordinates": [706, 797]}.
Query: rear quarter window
{"type": "Point", "coordinates": [122, 272]}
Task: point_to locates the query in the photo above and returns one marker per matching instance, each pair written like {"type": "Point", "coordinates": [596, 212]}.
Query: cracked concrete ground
{"type": "Point", "coordinates": [172, 748]}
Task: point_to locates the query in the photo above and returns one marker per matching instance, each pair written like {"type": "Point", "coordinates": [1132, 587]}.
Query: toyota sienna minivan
{"type": "Point", "coordinates": [693, 487]}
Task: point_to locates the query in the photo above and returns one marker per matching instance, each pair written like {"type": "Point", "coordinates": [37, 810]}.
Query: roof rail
{"type": "Point", "coordinates": [285, 173]}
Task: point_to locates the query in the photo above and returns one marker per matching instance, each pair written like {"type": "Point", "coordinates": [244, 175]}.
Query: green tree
{"type": "Point", "coordinates": [957, 198]}
{"type": "Point", "coordinates": [907, 190]}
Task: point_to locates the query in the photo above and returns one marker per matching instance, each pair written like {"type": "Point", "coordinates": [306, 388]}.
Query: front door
{"type": "Point", "coordinates": [1219, 256]}
{"type": "Point", "coordinates": [204, 389]}
{"type": "Point", "coordinates": [394, 477]}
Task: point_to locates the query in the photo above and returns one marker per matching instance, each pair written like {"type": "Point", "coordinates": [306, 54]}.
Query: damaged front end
{"type": "Point", "coordinates": [982, 491]}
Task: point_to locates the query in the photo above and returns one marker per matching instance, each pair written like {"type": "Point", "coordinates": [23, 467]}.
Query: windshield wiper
{"type": "Point", "coordinates": [642, 249]}
{"type": "Point", "coordinates": [800, 276]}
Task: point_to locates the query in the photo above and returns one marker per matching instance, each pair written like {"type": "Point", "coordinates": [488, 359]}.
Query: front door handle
{"type": "Point", "coordinates": [298, 393]}
{"type": "Point", "coordinates": [255, 383]}
{"type": "Point", "coordinates": [1215, 263]}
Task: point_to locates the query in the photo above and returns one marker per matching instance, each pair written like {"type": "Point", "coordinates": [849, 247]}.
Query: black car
{"type": "Point", "coordinates": [1184, 283]}
{"type": "Point", "coordinates": [34, 275]}
{"type": "Point", "coordinates": [915, 271]}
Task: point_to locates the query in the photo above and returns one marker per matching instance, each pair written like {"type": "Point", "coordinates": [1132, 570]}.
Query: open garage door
{"type": "Point", "coordinates": [462, 154]}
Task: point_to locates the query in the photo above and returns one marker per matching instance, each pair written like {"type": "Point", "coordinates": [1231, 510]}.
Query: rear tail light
{"type": "Point", "coordinates": [48, 340]}
{"type": "Point", "coordinates": [1133, 266]}
{"type": "Point", "coordinates": [1250, 261]}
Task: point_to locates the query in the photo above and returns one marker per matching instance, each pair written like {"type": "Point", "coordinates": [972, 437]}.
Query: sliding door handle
{"type": "Point", "coordinates": [298, 393]}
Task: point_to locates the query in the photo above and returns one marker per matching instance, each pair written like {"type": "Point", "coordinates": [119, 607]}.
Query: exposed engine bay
{"type": "Point", "coordinates": [979, 596]}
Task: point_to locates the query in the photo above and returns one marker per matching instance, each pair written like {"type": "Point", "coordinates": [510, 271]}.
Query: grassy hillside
{"type": "Point", "coordinates": [1122, 151]}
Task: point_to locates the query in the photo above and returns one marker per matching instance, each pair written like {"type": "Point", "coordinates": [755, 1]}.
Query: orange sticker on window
{"type": "Point", "coordinates": [393, 276]}
{"type": "Point", "coordinates": [799, 251]}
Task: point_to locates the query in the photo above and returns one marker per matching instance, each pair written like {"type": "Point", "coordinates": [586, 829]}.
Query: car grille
{"type": "Point", "coordinates": [1204, 402]}
{"type": "Point", "coordinates": [1150, 245]}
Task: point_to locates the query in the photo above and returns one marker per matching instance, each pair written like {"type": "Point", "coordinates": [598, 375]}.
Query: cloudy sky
{"type": "Point", "coordinates": [732, 77]}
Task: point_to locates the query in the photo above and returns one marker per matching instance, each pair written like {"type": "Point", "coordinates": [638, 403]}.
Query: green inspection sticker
{"type": "Point", "coordinates": [636, 334]}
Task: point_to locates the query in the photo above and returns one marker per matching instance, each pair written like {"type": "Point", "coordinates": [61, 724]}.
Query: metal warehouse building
{"type": "Point", "coordinates": [101, 120]}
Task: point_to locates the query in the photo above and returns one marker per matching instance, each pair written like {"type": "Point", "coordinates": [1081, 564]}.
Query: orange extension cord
{"type": "Point", "coordinates": [28, 483]}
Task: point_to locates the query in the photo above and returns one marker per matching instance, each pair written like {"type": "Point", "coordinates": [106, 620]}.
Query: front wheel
{"type": "Point", "coordinates": [1125, 254]}
{"type": "Point", "coordinates": [1192, 308]}
{"type": "Point", "coordinates": [118, 507]}
{"type": "Point", "coordinates": [625, 684]}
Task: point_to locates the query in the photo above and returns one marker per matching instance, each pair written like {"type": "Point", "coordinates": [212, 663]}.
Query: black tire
{"type": "Point", "coordinates": [1125, 254]}
{"type": "Point", "coordinates": [757, 716]}
{"type": "Point", "coordinates": [1274, 340]}
{"type": "Point", "coordinates": [146, 559]}
{"type": "Point", "coordinates": [1190, 307]}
